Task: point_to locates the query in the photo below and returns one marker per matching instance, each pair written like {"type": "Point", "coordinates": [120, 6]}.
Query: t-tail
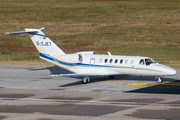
{"type": "Point", "coordinates": [43, 44]}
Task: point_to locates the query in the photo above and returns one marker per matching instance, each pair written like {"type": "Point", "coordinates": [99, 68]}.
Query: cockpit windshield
{"type": "Point", "coordinates": [149, 61]}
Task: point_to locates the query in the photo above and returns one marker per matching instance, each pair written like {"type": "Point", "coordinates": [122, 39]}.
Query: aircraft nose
{"type": "Point", "coordinates": [168, 70]}
{"type": "Point", "coordinates": [172, 72]}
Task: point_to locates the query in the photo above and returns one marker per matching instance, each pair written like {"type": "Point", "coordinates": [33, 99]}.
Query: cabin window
{"type": "Point", "coordinates": [116, 60]}
{"type": "Point", "coordinates": [100, 60]}
{"type": "Point", "coordinates": [132, 61]}
{"type": "Point", "coordinates": [105, 60]}
{"type": "Point", "coordinates": [111, 60]}
{"type": "Point", "coordinates": [141, 62]}
{"type": "Point", "coordinates": [121, 61]}
{"type": "Point", "coordinates": [126, 61]}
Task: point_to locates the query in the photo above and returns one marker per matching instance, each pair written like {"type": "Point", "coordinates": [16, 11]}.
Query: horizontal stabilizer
{"type": "Point", "coordinates": [32, 31]}
{"type": "Point", "coordinates": [21, 32]}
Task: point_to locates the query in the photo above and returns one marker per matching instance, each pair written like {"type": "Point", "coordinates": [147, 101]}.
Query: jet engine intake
{"type": "Point", "coordinates": [86, 52]}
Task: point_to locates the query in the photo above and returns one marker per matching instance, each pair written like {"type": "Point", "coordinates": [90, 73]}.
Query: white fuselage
{"type": "Point", "coordinates": [114, 65]}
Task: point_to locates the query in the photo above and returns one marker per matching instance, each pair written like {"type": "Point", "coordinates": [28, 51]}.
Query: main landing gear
{"type": "Point", "coordinates": [159, 80]}
{"type": "Point", "coordinates": [85, 80]}
{"type": "Point", "coordinates": [111, 76]}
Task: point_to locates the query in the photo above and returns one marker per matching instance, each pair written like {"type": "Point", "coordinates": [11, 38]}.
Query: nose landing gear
{"type": "Point", "coordinates": [111, 76]}
{"type": "Point", "coordinates": [159, 80]}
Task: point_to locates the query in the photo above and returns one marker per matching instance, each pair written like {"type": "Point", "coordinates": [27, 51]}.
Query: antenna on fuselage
{"type": "Point", "coordinates": [109, 53]}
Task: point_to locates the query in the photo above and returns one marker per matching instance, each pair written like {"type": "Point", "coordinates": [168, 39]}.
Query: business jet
{"type": "Point", "coordinates": [88, 63]}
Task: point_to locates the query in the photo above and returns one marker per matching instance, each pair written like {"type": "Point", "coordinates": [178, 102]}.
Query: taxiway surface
{"type": "Point", "coordinates": [30, 93]}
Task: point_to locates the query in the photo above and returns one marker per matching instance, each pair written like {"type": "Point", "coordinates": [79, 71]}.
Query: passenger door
{"type": "Point", "coordinates": [92, 62]}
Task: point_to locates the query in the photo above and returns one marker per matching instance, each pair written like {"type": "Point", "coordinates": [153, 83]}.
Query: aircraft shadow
{"type": "Point", "coordinates": [39, 69]}
{"type": "Point", "coordinates": [58, 70]}
{"type": "Point", "coordinates": [71, 84]}
{"type": "Point", "coordinates": [92, 80]}
{"type": "Point", "coordinates": [164, 88]}
{"type": "Point", "coordinates": [54, 70]}
{"type": "Point", "coordinates": [170, 85]}
{"type": "Point", "coordinates": [141, 78]}
{"type": "Point", "coordinates": [118, 78]}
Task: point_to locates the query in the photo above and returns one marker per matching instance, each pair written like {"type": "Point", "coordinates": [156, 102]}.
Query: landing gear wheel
{"type": "Point", "coordinates": [159, 80]}
{"type": "Point", "coordinates": [111, 76]}
{"type": "Point", "coordinates": [85, 80]}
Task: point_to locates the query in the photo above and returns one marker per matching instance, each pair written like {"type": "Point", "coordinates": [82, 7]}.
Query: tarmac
{"type": "Point", "coordinates": [31, 93]}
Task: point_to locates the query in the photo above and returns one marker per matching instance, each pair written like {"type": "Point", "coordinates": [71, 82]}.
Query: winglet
{"type": "Point", "coordinates": [41, 29]}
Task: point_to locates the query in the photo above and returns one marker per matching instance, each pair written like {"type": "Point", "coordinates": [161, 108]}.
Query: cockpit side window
{"type": "Point", "coordinates": [141, 62]}
{"type": "Point", "coordinates": [149, 61]}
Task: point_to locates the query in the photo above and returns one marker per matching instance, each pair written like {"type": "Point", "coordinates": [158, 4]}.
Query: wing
{"type": "Point", "coordinates": [77, 75]}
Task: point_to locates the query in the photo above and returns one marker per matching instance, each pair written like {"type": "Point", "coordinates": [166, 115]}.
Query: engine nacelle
{"type": "Point", "coordinates": [70, 58]}
{"type": "Point", "coordinates": [86, 52]}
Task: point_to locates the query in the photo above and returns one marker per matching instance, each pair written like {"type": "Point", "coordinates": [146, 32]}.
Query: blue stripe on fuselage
{"type": "Point", "coordinates": [46, 57]}
{"type": "Point", "coordinates": [150, 69]}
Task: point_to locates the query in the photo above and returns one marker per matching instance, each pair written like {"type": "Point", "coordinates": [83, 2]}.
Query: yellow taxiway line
{"type": "Point", "coordinates": [138, 83]}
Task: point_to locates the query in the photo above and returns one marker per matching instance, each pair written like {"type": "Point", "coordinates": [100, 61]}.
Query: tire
{"type": "Point", "coordinates": [85, 80]}
{"type": "Point", "coordinates": [111, 76]}
{"type": "Point", "coordinates": [159, 80]}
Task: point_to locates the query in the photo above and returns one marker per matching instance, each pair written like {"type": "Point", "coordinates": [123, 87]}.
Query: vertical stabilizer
{"type": "Point", "coordinates": [43, 44]}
